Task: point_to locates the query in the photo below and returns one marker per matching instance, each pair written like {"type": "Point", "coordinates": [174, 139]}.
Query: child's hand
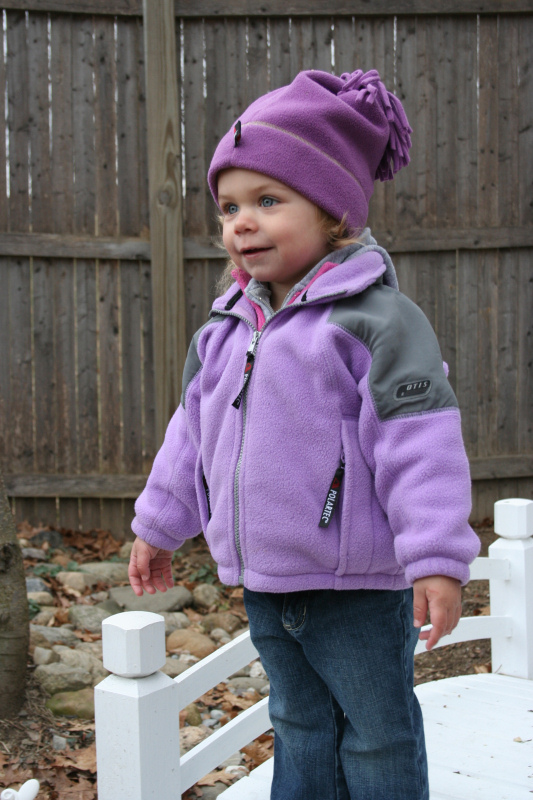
{"type": "Point", "coordinates": [150, 568]}
{"type": "Point", "coordinates": [443, 597]}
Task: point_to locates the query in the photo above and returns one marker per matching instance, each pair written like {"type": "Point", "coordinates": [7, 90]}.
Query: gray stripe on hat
{"type": "Point", "coordinates": [407, 375]}
{"type": "Point", "coordinates": [193, 365]}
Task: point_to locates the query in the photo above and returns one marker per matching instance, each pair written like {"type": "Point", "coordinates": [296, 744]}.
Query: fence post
{"type": "Point", "coordinates": [513, 521]}
{"type": "Point", "coordinates": [136, 712]}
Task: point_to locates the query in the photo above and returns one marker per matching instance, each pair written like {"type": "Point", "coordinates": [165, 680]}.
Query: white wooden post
{"type": "Point", "coordinates": [136, 712]}
{"type": "Point", "coordinates": [513, 597]}
{"type": "Point", "coordinates": [28, 791]}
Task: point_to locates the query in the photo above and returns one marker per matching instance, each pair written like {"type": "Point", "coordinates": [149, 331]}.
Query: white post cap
{"type": "Point", "coordinates": [133, 643]}
{"type": "Point", "coordinates": [28, 791]}
{"type": "Point", "coordinates": [513, 519]}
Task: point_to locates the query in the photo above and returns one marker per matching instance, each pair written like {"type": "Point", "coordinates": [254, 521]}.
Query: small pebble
{"type": "Point", "coordinates": [209, 723]}
{"type": "Point", "coordinates": [233, 761]}
{"type": "Point", "coordinates": [59, 742]}
{"type": "Point", "coordinates": [237, 771]}
{"type": "Point", "coordinates": [33, 552]}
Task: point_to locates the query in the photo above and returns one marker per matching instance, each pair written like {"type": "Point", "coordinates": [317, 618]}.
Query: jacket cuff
{"type": "Point", "coordinates": [156, 538]}
{"type": "Point", "coordinates": [428, 567]}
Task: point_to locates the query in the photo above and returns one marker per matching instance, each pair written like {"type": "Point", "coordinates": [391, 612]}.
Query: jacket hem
{"type": "Point", "coordinates": [258, 582]}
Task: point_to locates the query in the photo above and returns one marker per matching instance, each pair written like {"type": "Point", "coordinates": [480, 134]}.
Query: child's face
{"type": "Point", "coordinates": [269, 230]}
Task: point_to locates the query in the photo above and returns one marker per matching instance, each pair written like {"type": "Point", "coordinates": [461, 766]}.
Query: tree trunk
{"type": "Point", "coordinates": [14, 618]}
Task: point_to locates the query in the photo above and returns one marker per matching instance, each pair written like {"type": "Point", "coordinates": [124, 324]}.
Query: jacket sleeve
{"type": "Point", "coordinates": [167, 510]}
{"type": "Point", "coordinates": [410, 435]}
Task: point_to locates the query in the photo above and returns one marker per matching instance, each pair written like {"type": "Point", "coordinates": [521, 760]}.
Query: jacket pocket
{"type": "Point", "coordinates": [356, 544]}
{"type": "Point", "coordinates": [202, 494]}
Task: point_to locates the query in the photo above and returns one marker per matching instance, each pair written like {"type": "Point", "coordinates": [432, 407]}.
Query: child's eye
{"type": "Point", "coordinates": [268, 202]}
{"type": "Point", "coordinates": [231, 208]}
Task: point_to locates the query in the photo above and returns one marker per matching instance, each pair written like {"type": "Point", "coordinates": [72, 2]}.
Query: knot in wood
{"type": "Point", "coordinates": [166, 195]}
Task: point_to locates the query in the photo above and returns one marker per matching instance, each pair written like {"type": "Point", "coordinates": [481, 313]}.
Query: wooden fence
{"type": "Point", "coordinates": [90, 348]}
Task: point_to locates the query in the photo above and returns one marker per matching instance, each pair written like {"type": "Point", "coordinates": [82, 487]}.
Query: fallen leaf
{"type": "Point", "coordinates": [258, 752]}
{"type": "Point", "coordinates": [231, 701]}
{"type": "Point", "coordinates": [213, 777]}
{"type": "Point", "coordinates": [481, 668]}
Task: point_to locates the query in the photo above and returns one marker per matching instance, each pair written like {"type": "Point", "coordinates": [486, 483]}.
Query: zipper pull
{"type": "Point", "coordinates": [333, 496]}
{"type": "Point", "coordinates": [248, 367]}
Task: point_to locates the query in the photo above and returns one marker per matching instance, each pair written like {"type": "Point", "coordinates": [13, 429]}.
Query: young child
{"type": "Point", "coordinates": [318, 444]}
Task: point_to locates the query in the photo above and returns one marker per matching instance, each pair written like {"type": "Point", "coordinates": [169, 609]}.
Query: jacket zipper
{"type": "Point", "coordinates": [250, 358]}
{"type": "Point", "coordinates": [333, 495]}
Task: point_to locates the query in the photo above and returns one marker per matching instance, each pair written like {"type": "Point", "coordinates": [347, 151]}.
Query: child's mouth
{"type": "Point", "coordinates": [251, 251]}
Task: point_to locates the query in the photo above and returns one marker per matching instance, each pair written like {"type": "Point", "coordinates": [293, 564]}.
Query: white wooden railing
{"type": "Point", "coordinates": [137, 707]}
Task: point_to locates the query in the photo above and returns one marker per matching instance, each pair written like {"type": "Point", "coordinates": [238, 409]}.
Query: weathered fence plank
{"type": "Point", "coordinates": [164, 150]}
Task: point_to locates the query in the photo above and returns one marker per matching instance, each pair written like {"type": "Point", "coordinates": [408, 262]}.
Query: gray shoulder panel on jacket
{"type": "Point", "coordinates": [192, 362]}
{"type": "Point", "coordinates": [406, 375]}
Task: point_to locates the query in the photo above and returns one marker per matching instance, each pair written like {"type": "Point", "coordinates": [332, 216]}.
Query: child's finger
{"type": "Point", "coordinates": [420, 606]}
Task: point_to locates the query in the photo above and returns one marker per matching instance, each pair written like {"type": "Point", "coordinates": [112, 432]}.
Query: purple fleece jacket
{"type": "Point", "coordinates": [345, 417]}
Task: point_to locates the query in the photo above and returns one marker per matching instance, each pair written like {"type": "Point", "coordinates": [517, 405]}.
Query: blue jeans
{"type": "Point", "coordinates": [347, 723]}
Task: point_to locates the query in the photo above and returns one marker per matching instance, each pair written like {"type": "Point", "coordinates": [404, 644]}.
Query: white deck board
{"type": "Point", "coordinates": [471, 724]}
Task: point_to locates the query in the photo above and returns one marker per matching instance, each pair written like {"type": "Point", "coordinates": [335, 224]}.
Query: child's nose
{"type": "Point", "coordinates": [246, 220]}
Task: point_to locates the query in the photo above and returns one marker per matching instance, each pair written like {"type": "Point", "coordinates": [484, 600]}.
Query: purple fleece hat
{"type": "Point", "coordinates": [329, 138]}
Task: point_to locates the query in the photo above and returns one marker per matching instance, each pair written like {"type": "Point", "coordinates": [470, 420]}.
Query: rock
{"type": "Point", "coordinates": [88, 618]}
{"type": "Point", "coordinates": [36, 585]}
{"type": "Point", "coordinates": [205, 595]}
{"type": "Point", "coordinates": [59, 677]}
{"type": "Point", "coordinates": [78, 581]}
{"type": "Point", "coordinates": [239, 632]}
{"type": "Point", "coordinates": [73, 704]}
{"type": "Point", "coordinates": [59, 742]}
{"type": "Point", "coordinates": [257, 670]}
{"type": "Point", "coordinates": [94, 648]}
{"type": "Point", "coordinates": [173, 599]}
{"type": "Point", "coordinates": [191, 736]}
{"type": "Point", "coordinates": [125, 550]}
{"type": "Point", "coordinates": [221, 619]}
{"type": "Point", "coordinates": [192, 715]}
{"type": "Point", "coordinates": [233, 761]}
{"type": "Point", "coordinates": [195, 643]}
{"type": "Point", "coordinates": [220, 635]}
{"type": "Point", "coordinates": [237, 771]}
{"type": "Point", "coordinates": [42, 655]}
{"type": "Point", "coordinates": [41, 598]}
{"type": "Point", "coordinates": [43, 636]}
{"type": "Point", "coordinates": [44, 616]}
{"type": "Point", "coordinates": [175, 620]}
{"type": "Point", "coordinates": [100, 597]}
{"type": "Point", "coordinates": [110, 571]}
{"type": "Point", "coordinates": [212, 792]}
{"type": "Point", "coordinates": [241, 673]}
{"type": "Point", "coordinates": [243, 684]}
{"type": "Point", "coordinates": [53, 538]}
{"type": "Point", "coordinates": [265, 690]}
{"type": "Point", "coordinates": [174, 667]}
{"type": "Point", "coordinates": [34, 552]}
{"type": "Point", "coordinates": [80, 659]}
{"type": "Point", "coordinates": [188, 659]}
{"type": "Point", "coordinates": [109, 605]}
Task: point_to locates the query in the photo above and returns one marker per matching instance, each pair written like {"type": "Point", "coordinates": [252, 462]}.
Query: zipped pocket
{"type": "Point", "coordinates": [206, 490]}
{"type": "Point", "coordinates": [333, 496]}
